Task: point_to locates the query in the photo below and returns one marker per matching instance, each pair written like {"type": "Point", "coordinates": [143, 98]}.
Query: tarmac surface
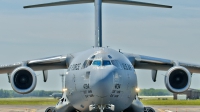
{"type": "Point", "coordinates": [176, 108]}
{"type": "Point", "coordinates": [13, 108]}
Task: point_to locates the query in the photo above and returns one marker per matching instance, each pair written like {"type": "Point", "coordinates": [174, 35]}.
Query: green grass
{"type": "Point", "coordinates": [51, 101]}
{"type": "Point", "coordinates": [28, 101]}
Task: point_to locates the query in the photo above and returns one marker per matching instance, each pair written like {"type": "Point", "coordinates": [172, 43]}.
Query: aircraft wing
{"type": "Point", "coordinates": [154, 63]}
{"type": "Point", "coordinates": [49, 63]}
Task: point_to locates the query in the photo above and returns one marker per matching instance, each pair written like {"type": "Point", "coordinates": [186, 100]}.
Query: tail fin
{"type": "Point", "coordinates": [98, 3]}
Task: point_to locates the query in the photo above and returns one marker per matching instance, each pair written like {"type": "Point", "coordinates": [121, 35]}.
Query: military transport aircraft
{"type": "Point", "coordinates": [56, 95]}
{"type": "Point", "coordinates": [100, 78]}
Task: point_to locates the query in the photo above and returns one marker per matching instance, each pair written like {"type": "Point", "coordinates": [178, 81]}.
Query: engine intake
{"type": "Point", "coordinates": [177, 79]}
{"type": "Point", "coordinates": [23, 80]}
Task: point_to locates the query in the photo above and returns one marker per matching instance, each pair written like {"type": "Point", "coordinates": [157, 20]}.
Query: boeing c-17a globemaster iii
{"type": "Point", "coordinates": [99, 79]}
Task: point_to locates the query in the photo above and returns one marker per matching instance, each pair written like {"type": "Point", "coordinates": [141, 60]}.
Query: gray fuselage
{"type": "Point", "coordinates": [100, 76]}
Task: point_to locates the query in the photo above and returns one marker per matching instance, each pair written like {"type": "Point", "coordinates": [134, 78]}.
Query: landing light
{"type": "Point", "coordinates": [137, 89]}
{"type": "Point", "coordinates": [65, 89]}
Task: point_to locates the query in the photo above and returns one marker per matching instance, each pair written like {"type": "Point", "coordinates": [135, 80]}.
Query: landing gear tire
{"type": "Point", "coordinates": [50, 109]}
{"type": "Point", "coordinates": [149, 109]}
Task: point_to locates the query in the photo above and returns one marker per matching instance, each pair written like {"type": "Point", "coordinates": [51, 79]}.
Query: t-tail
{"type": "Point", "coordinates": [98, 10]}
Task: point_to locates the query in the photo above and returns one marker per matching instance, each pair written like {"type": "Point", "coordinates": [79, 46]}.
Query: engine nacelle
{"type": "Point", "coordinates": [178, 79]}
{"type": "Point", "coordinates": [23, 80]}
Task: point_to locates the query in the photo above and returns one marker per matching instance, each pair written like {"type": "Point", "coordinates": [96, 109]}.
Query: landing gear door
{"type": "Point", "coordinates": [117, 83]}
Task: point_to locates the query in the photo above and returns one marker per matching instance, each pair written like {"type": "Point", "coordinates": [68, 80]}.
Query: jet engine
{"type": "Point", "coordinates": [177, 79]}
{"type": "Point", "coordinates": [23, 80]}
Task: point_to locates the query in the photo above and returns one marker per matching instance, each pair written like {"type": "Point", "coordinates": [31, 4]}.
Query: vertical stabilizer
{"type": "Point", "coordinates": [98, 11]}
{"type": "Point", "coordinates": [98, 23]}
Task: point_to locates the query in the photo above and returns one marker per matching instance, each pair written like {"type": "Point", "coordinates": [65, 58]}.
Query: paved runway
{"type": "Point", "coordinates": [12, 108]}
{"type": "Point", "coordinates": [176, 108]}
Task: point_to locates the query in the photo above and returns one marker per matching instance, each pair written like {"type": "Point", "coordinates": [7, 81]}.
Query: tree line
{"type": "Point", "coordinates": [42, 93]}
{"type": "Point", "coordinates": [35, 93]}
{"type": "Point", "coordinates": [154, 92]}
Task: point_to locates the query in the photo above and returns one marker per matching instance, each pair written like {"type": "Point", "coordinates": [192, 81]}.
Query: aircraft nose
{"type": "Point", "coordinates": [102, 82]}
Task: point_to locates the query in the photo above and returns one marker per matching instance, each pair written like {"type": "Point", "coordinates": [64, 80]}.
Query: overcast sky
{"type": "Point", "coordinates": [42, 32]}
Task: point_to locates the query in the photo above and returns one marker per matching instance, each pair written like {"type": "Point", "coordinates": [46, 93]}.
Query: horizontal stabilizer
{"type": "Point", "coordinates": [68, 2]}
{"type": "Point", "coordinates": [128, 2]}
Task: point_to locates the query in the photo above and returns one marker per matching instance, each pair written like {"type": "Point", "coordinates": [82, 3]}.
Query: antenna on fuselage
{"type": "Point", "coordinates": [98, 6]}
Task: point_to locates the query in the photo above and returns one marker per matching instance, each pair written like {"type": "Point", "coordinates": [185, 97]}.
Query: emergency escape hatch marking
{"type": "Point", "coordinates": [116, 92]}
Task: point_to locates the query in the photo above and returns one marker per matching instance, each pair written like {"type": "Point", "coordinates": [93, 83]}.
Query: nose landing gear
{"type": "Point", "coordinates": [149, 109]}
{"type": "Point", "coordinates": [50, 109]}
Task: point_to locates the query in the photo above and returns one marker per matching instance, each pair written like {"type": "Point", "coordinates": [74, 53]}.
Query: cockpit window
{"type": "Point", "coordinates": [96, 62]}
{"type": "Point", "coordinates": [109, 56]}
{"type": "Point", "coordinates": [93, 57]}
{"type": "Point", "coordinates": [106, 62]}
{"type": "Point", "coordinates": [87, 63]}
{"type": "Point", "coordinates": [116, 63]}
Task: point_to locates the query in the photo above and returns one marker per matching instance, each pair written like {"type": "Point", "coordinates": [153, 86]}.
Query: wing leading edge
{"type": "Point", "coordinates": [49, 63]}
{"type": "Point", "coordinates": [153, 63]}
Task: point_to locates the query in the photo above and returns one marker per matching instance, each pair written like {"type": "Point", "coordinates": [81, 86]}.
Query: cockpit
{"type": "Point", "coordinates": [102, 61]}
